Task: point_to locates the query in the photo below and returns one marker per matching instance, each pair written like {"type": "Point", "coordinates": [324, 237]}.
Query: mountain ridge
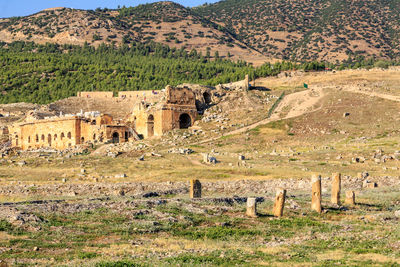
{"type": "Point", "coordinates": [251, 30]}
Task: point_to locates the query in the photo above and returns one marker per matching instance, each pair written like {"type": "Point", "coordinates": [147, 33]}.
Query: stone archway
{"type": "Point", "coordinates": [115, 138]}
{"type": "Point", "coordinates": [185, 121]}
{"type": "Point", "coordinates": [150, 126]}
{"type": "Point", "coordinates": [207, 98]}
{"type": "Point", "coordinates": [49, 139]}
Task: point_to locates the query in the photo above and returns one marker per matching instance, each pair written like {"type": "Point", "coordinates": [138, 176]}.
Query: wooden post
{"type": "Point", "coordinates": [316, 193]}
{"type": "Point", "coordinates": [251, 210]}
{"type": "Point", "coordinates": [279, 202]}
{"type": "Point", "coordinates": [350, 198]}
{"type": "Point", "coordinates": [195, 189]}
{"type": "Point", "coordinates": [336, 186]}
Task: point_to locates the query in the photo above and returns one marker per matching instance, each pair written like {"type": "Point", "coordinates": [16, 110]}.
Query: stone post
{"type": "Point", "coordinates": [350, 198]}
{"type": "Point", "coordinates": [316, 193]}
{"type": "Point", "coordinates": [251, 207]}
{"type": "Point", "coordinates": [279, 202]}
{"type": "Point", "coordinates": [336, 185]}
{"type": "Point", "coordinates": [195, 189]}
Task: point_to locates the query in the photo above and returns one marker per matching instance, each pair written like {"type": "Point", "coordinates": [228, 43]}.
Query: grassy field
{"type": "Point", "coordinates": [100, 226]}
{"type": "Point", "coordinates": [203, 232]}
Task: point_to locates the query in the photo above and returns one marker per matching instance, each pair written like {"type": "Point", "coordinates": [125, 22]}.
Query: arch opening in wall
{"type": "Point", "coordinates": [150, 126]}
{"type": "Point", "coordinates": [42, 137]}
{"type": "Point", "coordinates": [94, 136]}
{"type": "Point", "coordinates": [185, 121]}
{"type": "Point", "coordinates": [115, 138]}
{"type": "Point", "coordinates": [82, 140]}
{"type": "Point", "coordinates": [29, 139]}
{"type": "Point", "coordinates": [62, 136]}
{"type": "Point", "coordinates": [207, 98]}
{"type": "Point", "coordinates": [55, 137]}
{"type": "Point", "coordinates": [37, 138]}
{"type": "Point", "coordinates": [49, 139]}
{"type": "Point", "coordinates": [69, 135]}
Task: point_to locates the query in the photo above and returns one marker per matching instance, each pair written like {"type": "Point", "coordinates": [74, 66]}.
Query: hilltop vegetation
{"type": "Point", "coordinates": [162, 22]}
{"type": "Point", "coordinates": [329, 30]}
{"type": "Point", "coordinates": [326, 30]}
{"type": "Point", "coordinates": [44, 73]}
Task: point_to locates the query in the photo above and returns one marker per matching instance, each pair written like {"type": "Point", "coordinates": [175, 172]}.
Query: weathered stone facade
{"type": "Point", "coordinates": [155, 113]}
{"type": "Point", "coordinates": [66, 131]}
{"type": "Point", "coordinates": [177, 110]}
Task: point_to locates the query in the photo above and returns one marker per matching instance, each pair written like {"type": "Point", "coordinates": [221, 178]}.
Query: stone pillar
{"type": "Point", "coordinates": [316, 193]}
{"type": "Point", "coordinates": [195, 189]}
{"type": "Point", "coordinates": [350, 198]}
{"type": "Point", "coordinates": [279, 202]}
{"type": "Point", "coordinates": [251, 207]}
{"type": "Point", "coordinates": [336, 185]}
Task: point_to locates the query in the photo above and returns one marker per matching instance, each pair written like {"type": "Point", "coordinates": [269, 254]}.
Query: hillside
{"type": "Point", "coordinates": [163, 22]}
{"type": "Point", "coordinates": [303, 30]}
{"type": "Point", "coordinates": [251, 30]}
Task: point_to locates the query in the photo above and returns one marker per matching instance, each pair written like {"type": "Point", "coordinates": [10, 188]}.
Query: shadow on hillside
{"type": "Point", "coordinates": [259, 88]}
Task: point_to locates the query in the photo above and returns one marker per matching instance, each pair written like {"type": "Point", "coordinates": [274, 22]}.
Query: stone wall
{"type": "Point", "coordinates": [95, 94]}
{"type": "Point", "coordinates": [177, 110]}
{"type": "Point", "coordinates": [63, 132]}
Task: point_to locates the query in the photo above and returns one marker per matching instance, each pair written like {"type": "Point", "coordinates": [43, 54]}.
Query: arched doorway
{"type": "Point", "coordinates": [185, 121]}
{"type": "Point", "coordinates": [115, 138]}
{"type": "Point", "coordinates": [207, 98]}
{"type": "Point", "coordinates": [150, 126]}
{"type": "Point", "coordinates": [49, 139]}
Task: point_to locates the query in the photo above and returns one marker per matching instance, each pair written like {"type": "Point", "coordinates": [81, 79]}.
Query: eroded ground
{"type": "Point", "coordinates": [106, 205]}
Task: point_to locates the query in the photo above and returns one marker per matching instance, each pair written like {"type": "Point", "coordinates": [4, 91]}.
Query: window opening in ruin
{"type": "Point", "coordinates": [69, 135]}
{"type": "Point", "coordinates": [37, 138]}
{"type": "Point", "coordinates": [16, 140]}
{"type": "Point", "coordinates": [55, 137]}
{"type": "Point", "coordinates": [185, 121]}
{"type": "Point", "coordinates": [82, 140]}
{"type": "Point", "coordinates": [207, 97]}
{"type": "Point", "coordinates": [49, 139]}
{"type": "Point", "coordinates": [94, 136]}
{"type": "Point", "coordinates": [115, 138]}
{"type": "Point", "coordinates": [42, 137]}
{"type": "Point", "coordinates": [126, 136]}
{"type": "Point", "coordinates": [29, 139]}
{"type": "Point", "coordinates": [150, 126]}
{"type": "Point", "coordinates": [62, 136]}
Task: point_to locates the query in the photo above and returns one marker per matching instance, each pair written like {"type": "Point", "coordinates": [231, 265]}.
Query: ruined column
{"type": "Point", "coordinates": [350, 198]}
{"type": "Point", "coordinates": [336, 185]}
{"type": "Point", "coordinates": [279, 202]}
{"type": "Point", "coordinates": [316, 193]}
{"type": "Point", "coordinates": [251, 207]}
{"type": "Point", "coordinates": [195, 189]}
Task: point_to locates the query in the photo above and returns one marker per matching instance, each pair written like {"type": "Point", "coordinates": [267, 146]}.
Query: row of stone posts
{"type": "Point", "coordinates": [335, 194]}
{"type": "Point", "coordinates": [316, 199]}
{"type": "Point", "coordinates": [251, 211]}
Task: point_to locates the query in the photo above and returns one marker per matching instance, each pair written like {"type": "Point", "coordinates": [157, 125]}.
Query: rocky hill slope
{"type": "Point", "coordinates": [328, 30]}
{"type": "Point", "coordinates": [325, 30]}
{"type": "Point", "coordinates": [163, 22]}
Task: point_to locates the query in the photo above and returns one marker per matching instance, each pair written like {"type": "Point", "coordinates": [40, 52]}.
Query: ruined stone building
{"type": "Point", "coordinates": [177, 110]}
{"type": "Point", "coordinates": [153, 114]}
{"type": "Point", "coordinates": [61, 132]}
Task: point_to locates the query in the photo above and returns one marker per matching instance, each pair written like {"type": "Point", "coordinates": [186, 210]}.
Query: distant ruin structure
{"type": "Point", "coordinates": [61, 132]}
{"type": "Point", "coordinates": [153, 113]}
{"type": "Point", "coordinates": [177, 110]}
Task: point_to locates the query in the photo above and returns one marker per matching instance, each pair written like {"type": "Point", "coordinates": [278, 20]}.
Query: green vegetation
{"type": "Point", "coordinates": [44, 73]}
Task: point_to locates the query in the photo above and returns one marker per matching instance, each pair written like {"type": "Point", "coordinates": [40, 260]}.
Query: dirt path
{"type": "Point", "coordinates": [372, 94]}
{"type": "Point", "coordinates": [297, 104]}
